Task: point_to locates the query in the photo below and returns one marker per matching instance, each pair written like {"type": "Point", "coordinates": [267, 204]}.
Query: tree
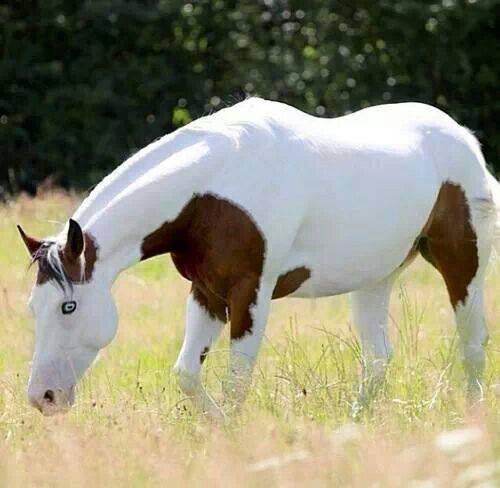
{"type": "Point", "coordinates": [84, 84]}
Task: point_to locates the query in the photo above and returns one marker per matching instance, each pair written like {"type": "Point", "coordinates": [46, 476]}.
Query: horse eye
{"type": "Point", "coordinates": [68, 307]}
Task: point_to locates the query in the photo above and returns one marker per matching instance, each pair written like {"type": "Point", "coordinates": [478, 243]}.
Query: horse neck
{"type": "Point", "coordinates": [155, 197]}
{"type": "Point", "coordinates": [128, 172]}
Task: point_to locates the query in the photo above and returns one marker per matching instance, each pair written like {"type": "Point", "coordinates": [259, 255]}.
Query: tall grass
{"type": "Point", "coordinates": [131, 426]}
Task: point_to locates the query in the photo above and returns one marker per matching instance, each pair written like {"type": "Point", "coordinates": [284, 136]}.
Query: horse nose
{"type": "Point", "coordinates": [49, 396]}
{"type": "Point", "coordinates": [52, 401]}
{"type": "Point", "coordinates": [43, 402]}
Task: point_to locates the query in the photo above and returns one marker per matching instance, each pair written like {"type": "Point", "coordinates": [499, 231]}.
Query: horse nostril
{"type": "Point", "coordinates": [49, 396]}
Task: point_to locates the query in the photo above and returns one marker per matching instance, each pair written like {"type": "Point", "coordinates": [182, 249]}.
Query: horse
{"type": "Point", "coordinates": [260, 201]}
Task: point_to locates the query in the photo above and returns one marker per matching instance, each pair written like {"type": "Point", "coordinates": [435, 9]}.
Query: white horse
{"type": "Point", "coordinates": [261, 201]}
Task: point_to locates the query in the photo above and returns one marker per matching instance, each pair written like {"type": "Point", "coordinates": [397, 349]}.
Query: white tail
{"type": "Point", "coordinates": [495, 189]}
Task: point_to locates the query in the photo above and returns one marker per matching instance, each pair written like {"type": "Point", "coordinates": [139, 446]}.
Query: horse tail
{"type": "Point", "coordinates": [495, 191]}
{"type": "Point", "coordinates": [488, 207]}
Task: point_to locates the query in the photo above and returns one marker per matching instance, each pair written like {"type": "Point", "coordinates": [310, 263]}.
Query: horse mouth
{"type": "Point", "coordinates": [53, 410]}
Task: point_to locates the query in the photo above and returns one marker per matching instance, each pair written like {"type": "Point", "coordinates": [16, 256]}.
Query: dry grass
{"type": "Point", "coordinates": [132, 427]}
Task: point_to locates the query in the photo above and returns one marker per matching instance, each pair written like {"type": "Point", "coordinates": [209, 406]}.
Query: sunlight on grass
{"type": "Point", "coordinates": [132, 427]}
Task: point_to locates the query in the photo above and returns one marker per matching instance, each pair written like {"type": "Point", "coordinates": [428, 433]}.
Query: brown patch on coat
{"type": "Point", "coordinates": [241, 298]}
{"type": "Point", "coordinates": [216, 308]}
{"type": "Point", "coordinates": [72, 268]}
{"type": "Point", "coordinates": [291, 281]}
{"type": "Point", "coordinates": [216, 245]}
{"type": "Point", "coordinates": [449, 242]}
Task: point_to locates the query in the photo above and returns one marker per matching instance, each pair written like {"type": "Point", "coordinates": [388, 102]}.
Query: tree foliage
{"type": "Point", "coordinates": [85, 83]}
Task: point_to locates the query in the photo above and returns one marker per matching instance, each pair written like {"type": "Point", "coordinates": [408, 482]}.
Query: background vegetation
{"type": "Point", "coordinates": [85, 83]}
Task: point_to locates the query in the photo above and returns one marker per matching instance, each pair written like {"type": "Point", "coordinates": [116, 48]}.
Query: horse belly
{"type": "Point", "coordinates": [357, 238]}
{"type": "Point", "coordinates": [336, 268]}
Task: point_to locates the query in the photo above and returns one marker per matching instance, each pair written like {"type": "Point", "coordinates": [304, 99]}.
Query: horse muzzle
{"type": "Point", "coordinates": [52, 401]}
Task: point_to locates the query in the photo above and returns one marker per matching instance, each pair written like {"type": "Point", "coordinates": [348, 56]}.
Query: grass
{"type": "Point", "coordinates": [131, 426]}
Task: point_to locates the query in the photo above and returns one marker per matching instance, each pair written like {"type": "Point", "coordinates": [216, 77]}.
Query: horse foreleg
{"type": "Point", "coordinates": [202, 330]}
{"type": "Point", "coordinates": [249, 307]}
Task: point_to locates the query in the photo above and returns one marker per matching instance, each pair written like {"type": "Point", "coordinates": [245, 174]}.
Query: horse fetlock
{"type": "Point", "coordinates": [211, 410]}
{"type": "Point", "coordinates": [474, 391]}
{"type": "Point", "coordinates": [189, 382]}
{"type": "Point", "coordinates": [235, 388]}
{"type": "Point", "coordinates": [376, 367]}
{"type": "Point", "coordinates": [191, 386]}
{"type": "Point", "coordinates": [473, 359]}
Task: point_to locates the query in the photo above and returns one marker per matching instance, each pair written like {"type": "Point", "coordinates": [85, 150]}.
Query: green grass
{"type": "Point", "coordinates": [131, 426]}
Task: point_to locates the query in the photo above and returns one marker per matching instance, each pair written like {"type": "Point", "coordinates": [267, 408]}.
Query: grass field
{"type": "Point", "coordinates": [132, 427]}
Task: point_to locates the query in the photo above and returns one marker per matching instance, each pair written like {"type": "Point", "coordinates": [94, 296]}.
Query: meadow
{"type": "Point", "coordinates": [131, 426]}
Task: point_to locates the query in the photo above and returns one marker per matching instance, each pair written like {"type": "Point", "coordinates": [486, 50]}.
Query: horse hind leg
{"type": "Point", "coordinates": [458, 244]}
{"type": "Point", "coordinates": [370, 314]}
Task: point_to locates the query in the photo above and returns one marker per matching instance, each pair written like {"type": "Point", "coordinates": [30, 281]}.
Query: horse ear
{"type": "Point", "coordinates": [74, 241]}
{"type": "Point", "coordinates": [31, 243]}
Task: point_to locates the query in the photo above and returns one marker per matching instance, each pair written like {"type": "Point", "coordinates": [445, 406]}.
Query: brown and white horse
{"type": "Point", "coordinates": [261, 201]}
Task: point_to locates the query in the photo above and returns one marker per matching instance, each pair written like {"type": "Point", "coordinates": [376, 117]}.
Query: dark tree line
{"type": "Point", "coordinates": [85, 83]}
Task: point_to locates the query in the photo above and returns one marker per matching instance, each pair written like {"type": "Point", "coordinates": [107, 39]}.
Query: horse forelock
{"type": "Point", "coordinates": [52, 266]}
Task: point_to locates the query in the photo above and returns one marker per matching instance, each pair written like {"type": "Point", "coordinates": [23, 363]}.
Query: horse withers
{"type": "Point", "coordinates": [261, 201]}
